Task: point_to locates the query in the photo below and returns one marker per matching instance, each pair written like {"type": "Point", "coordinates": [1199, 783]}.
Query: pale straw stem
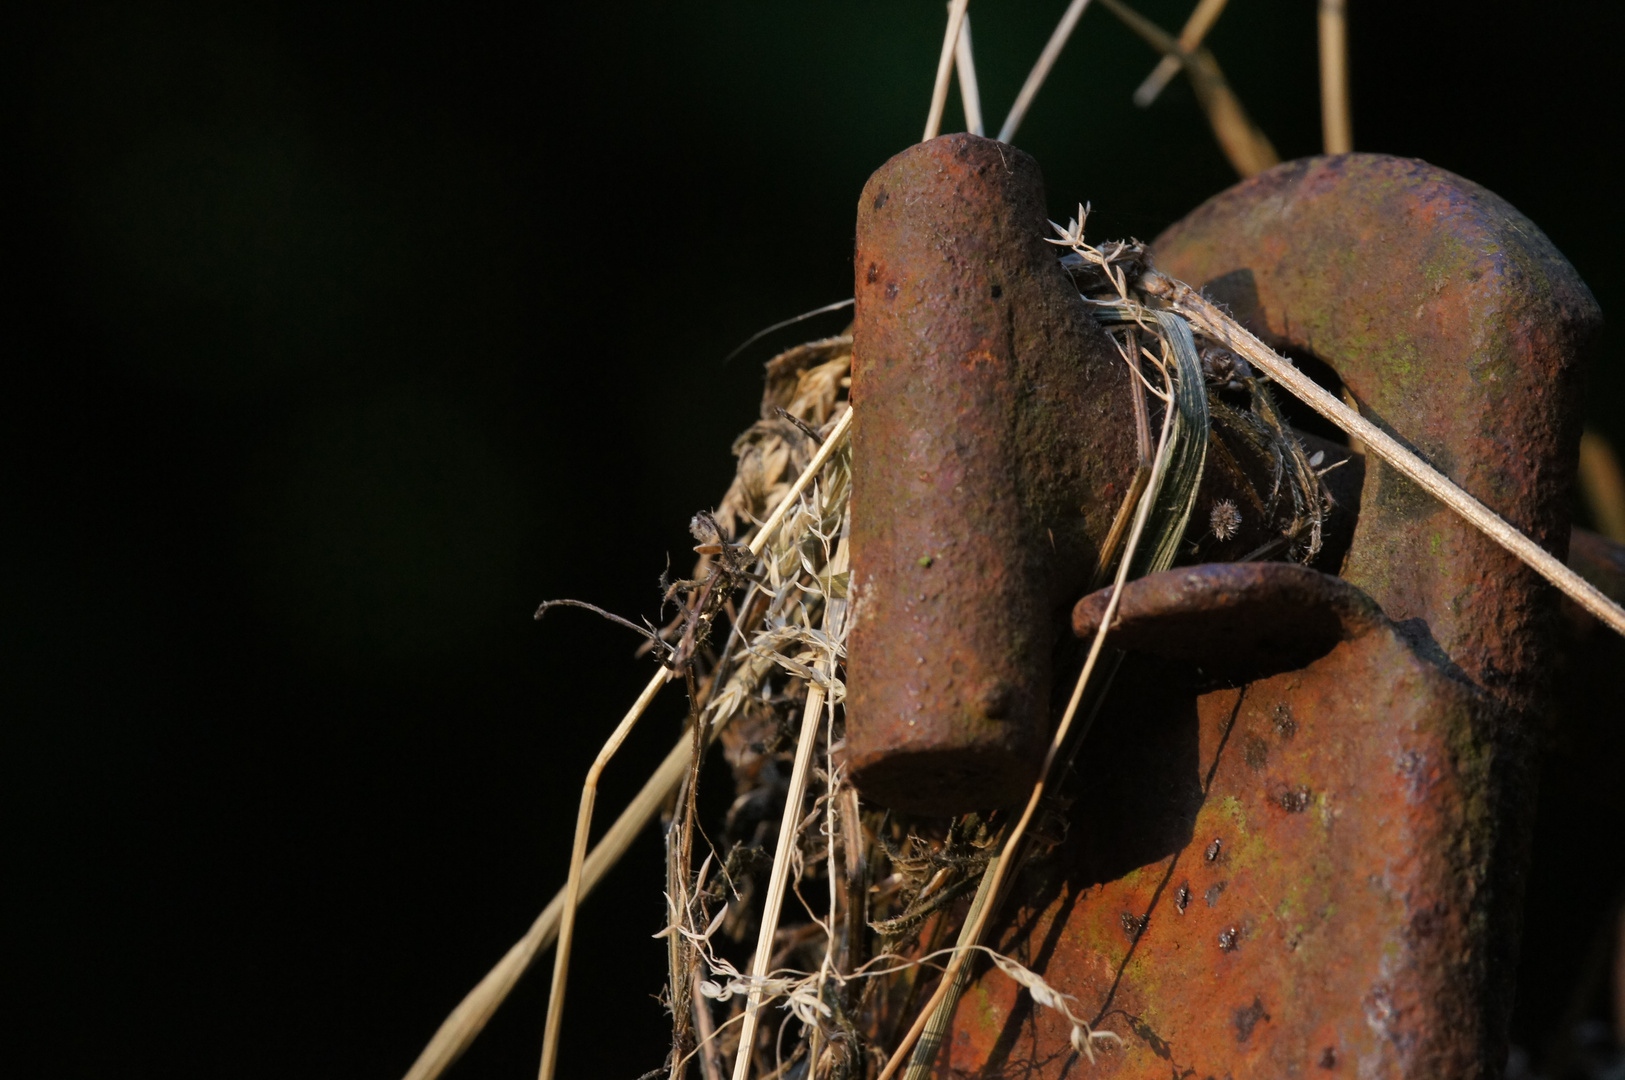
{"type": "Point", "coordinates": [1040, 71]}
{"type": "Point", "coordinates": [589, 790]}
{"type": "Point", "coordinates": [831, 443]}
{"type": "Point", "coordinates": [965, 70]}
{"type": "Point", "coordinates": [578, 857]}
{"type": "Point", "coordinates": [1190, 39]}
{"type": "Point", "coordinates": [1208, 319]}
{"type": "Point", "coordinates": [800, 774]}
{"type": "Point", "coordinates": [1336, 118]}
{"type": "Point", "coordinates": [459, 1030]}
{"type": "Point", "coordinates": [930, 1043]}
{"type": "Point", "coordinates": [1247, 148]}
{"type": "Point", "coordinates": [705, 1028]}
{"type": "Point", "coordinates": [939, 89]}
{"type": "Point", "coordinates": [1007, 859]}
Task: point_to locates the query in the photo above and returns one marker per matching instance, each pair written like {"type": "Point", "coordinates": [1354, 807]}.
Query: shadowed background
{"type": "Point", "coordinates": [338, 336]}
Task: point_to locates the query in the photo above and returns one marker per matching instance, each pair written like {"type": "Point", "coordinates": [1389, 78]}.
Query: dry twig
{"type": "Point", "coordinates": [939, 89]}
{"type": "Point", "coordinates": [1190, 38]}
{"type": "Point", "coordinates": [970, 94]}
{"type": "Point", "coordinates": [572, 888]}
{"type": "Point", "coordinates": [1040, 72]}
{"type": "Point", "coordinates": [1209, 320]}
{"type": "Point", "coordinates": [1244, 144]}
{"type": "Point", "coordinates": [578, 857]}
{"type": "Point", "coordinates": [834, 616]}
{"type": "Point", "coordinates": [469, 1018]}
{"type": "Point", "coordinates": [1336, 118]}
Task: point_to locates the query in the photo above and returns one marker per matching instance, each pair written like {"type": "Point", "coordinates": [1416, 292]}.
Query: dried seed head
{"type": "Point", "coordinates": [1225, 519]}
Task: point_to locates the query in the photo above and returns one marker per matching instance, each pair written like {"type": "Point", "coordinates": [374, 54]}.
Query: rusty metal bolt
{"type": "Point", "coordinates": [990, 453]}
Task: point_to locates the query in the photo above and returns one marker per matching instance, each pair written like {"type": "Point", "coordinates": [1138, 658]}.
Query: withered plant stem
{"type": "Point", "coordinates": [945, 62]}
{"type": "Point", "coordinates": [1208, 319]}
{"type": "Point", "coordinates": [589, 791]}
{"type": "Point", "coordinates": [1120, 524]}
{"type": "Point", "coordinates": [1247, 148]}
{"type": "Point", "coordinates": [469, 1018]}
{"type": "Point", "coordinates": [578, 858]}
{"type": "Point", "coordinates": [970, 94]}
{"type": "Point", "coordinates": [1336, 115]}
{"type": "Point", "coordinates": [1040, 72]}
{"type": "Point", "coordinates": [998, 871]}
{"type": "Point", "coordinates": [930, 1043]}
{"type": "Point", "coordinates": [705, 1027]}
{"type": "Point", "coordinates": [831, 443]}
{"type": "Point", "coordinates": [1190, 38]}
{"type": "Point", "coordinates": [1142, 476]}
{"type": "Point", "coordinates": [800, 775]}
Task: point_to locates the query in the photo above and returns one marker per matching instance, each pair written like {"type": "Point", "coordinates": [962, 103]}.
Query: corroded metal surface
{"type": "Point", "coordinates": [1270, 617]}
{"type": "Point", "coordinates": [1278, 880]}
{"type": "Point", "coordinates": [1319, 872]}
{"type": "Point", "coordinates": [990, 454]}
{"type": "Point", "coordinates": [1456, 325]}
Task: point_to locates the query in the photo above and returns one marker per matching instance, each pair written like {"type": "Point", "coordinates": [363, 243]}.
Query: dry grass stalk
{"type": "Point", "coordinates": [834, 617]}
{"type": "Point", "coordinates": [832, 442]}
{"type": "Point", "coordinates": [1602, 483]}
{"type": "Point", "coordinates": [1190, 39]}
{"type": "Point", "coordinates": [970, 95]}
{"type": "Point", "coordinates": [469, 1018]}
{"type": "Point", "coordinates": [781, 324]}
{"type": "Point", "coordinates": [1336, 117]}
{"type": "Point", "coordinates": [1209, 320]}
{"type": "Point", "coordinates": [711, 1065]}
{"type": "Point", "coordinates": [998, 871]}
{"type": "Point", "coordinates": [1246, 147]}
{"type": "Point", "coordinates": [578, 858]}
{"type": "Point", "coordinates": [930, 1044]}
{"type": "Point", "coordinates": [1040, 72]}
{"type": "Point", "coordinates": [572, 890]}
{"type": "Point", "coordinates": [939, 89]}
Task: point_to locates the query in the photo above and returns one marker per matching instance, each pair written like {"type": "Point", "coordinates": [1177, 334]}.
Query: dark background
{"type": "Point", "coordinates": [337, 336]}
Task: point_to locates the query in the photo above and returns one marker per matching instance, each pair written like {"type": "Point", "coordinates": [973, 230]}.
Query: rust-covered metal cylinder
{"type": "Point", "coordinates": [992, 444]}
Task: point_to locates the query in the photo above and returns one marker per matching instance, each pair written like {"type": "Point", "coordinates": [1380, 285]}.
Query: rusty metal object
{"type": "Point", "coordinates": [1273, 880]}
{"type": "Point", "coordinates": [1320, 871]}
{"type": "Point", "coordinates": [991, 447]}
{"type": "Point", "coordinates": [1236, 621]}
{"type": "Point", "coordinates": [1455, 324]}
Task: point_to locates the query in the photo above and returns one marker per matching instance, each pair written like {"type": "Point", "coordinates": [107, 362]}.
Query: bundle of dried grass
{"type": "Point", "coordinates": [877, 900]}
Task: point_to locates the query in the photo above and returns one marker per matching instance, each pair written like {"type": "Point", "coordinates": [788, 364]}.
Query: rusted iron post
{"type": "Point", "coordinates": [993, 441]}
